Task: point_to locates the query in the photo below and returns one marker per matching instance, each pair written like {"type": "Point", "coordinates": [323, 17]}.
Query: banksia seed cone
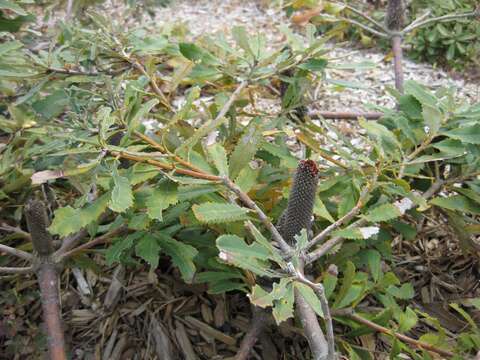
{"type": "Point", "coordinates": [37, 221]}
{"type": "Point", "coordinates": [395, 17]}
{"type": "Point", "coordinates": [298, 214]}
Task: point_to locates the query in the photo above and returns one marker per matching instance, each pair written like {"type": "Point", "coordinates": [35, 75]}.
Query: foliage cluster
{"type": "Point", "coordinates": [453, 44]}
{"type": "Point", "coordinates": [136, 130]}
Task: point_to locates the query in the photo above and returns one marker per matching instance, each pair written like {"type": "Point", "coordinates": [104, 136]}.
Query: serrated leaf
{"type": "Point", "coordinates": [433, 118]}
{"type": "Point", "coordinates": [240, 36]}
{"type": "Point", "coordinates": [122, 196]}
{"type": "Point", "coordinates": [114, 252]}
{"type": "Point", "coordinates": [259, 238]}
{"type": "Point", "coordinates": [105, 120]}
{"type": "Point", "coordinates": [383, 212]}
{"type": "Point", "coordinates": [68, 220]}
{"type": "Point", "coordinates": [283, 308]}
{"type": "Point", "coordinates": [134, 120]}
{"type": "Point", "coordinates": [216, 213]}
{"type": "Point", "coordinates": [149, 250]}
{"type": "Point", "coordinates": [218, 155]}
{"type": "Point", "coordinates": [182, 255]}
{"type": "Point", "coordinates": [458, 203]}
{"type": "Point", "coordinates": [354, 293]}
{"type": "Point", "coordinates": [467, 134]}
{"type": "Point", "coordinates": [260, 297]}
{"type": "Point", "coordinates": [246, 179]}
{"type": "Point", "coordinates": [407, 320]}
{"type": "Point", "coordinates": [310, 297]}
{"type": "Point", "coordinates": [403, 292]}
{"type": "Point", "coordinates": [246, 147]}
{"type": "Point", "coordinates": [163, 196]}
{"type": "Point", "coordinates": [420, 93]}
{"type": "Point", "coordinates": [235, 245]}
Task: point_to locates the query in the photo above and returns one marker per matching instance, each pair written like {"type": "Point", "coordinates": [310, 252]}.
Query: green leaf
{"type": "Point", "coordinates": [354, 293]}
{"type": "Point", "coordinates": [456, 202]}
{"type": "Point", "coordinates": [314, 65]}
{"type": "Point", "coordinates": [433, 118]}
{"type": "Point", "coordinates": [467, 134]}
{"type": "Point", "coordinates": [347, 282]}
{"type": "Point", "coordinates": [219, 157]}
{"type": "Point", "coordinates": [215, 213]}
{"type": "Point", "coordinates": [260, 297]}
{"type": "Point", "coordinates": [246, 179]}
{"type": "Point", "coordinates": [403, 292]}
{"type": "Point", "coordinates": [162, 197]}
{"type": "Point", "coordinates": [115, 251]}
{"type": "Point", "coordinates": [182, 255]}
{"type": "Point", "coordinates": [240, 36]}
{"type": "Point", "coordinates": [374, 263]}
{"type": "Point", "coordinates": [420, 93]}
{"type": "Point", "coordinates": [148, 249]}
{"type": "Point", "coordinates": [68, 220]}
{"type": "Point", "coordinates": [320, 210]}
{"type": "Point", "coordinates": [134, 120]}
{"type": "Point", "coordinates": [283, 308]}
{"type": "Point", "coordinates": [246, 147]}
{"type": "Point", "coordinates": [383, 213]}
{"type": "Point", "coordinates": [235, 245]}
{"type": "Point", "coordinates": [407, 320]}
{"type": "Point", "coordinates": [310, 297]}
{"type": "Point", "coordinates": [122, 196]}
{"type": "Point", "coordinates": [191, 51]}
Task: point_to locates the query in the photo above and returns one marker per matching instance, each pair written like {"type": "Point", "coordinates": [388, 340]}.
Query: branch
{"type": "Point", "coordinates": [195, 174]}
{"type": "Point", "coordinates": [100, 240]}
{"type": "Point", "coordinates": [265, 220]}
{"type": "Point", "coordinates": [305, 140]}
{"type": "Point", "coordinates": [319, 290]}
{"type": "Point", "coordinates": [445, 18]}
{"type": "Point", "coordinates": [365, 16]}
{"type": "Point", "coordinates": [71, 241]}
{"type": "Point", "coordinates": [327, 246]}
{"type": "Point", "coordinates": [407, 339]}
{"type": "Point", "coordinates": [344, 219]}
{"type": "Point", "coordinates": [15, 252]}
{"type": "Point", "coordinates": [345, 115]}
{"type": "Point", "coordinates": [365, 27]}
{"type": "Point", "coordinates": [397, 61]}
{"type": "Point", "coordinates": [16, 270]}
{"type": "Point", "coordinates": [15, 230]}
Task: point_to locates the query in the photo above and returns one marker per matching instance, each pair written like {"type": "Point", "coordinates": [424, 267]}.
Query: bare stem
{"type": "Point", "coordinates": [445, 18]}
{"type": "Point", "coordinates": [100, 240]}
{"type": "Point", "coordinates": [365, 27]}
{"type": "Point", "coordinates": [48, 283]}
{"type": "Point", "coordinates": [346, 115]}
{"type": "Point", "coordinates": [319, 290]}
{"type": "Point", "coordinates": [265, 220]}
{"type": "Point", "coordinates": [397, 61]}
{"type": "Point", "coordinates": [15, 252]}
{"type": "Point", "coordinates": [365, 16]}
{"type": "Point", "coordinates": [16, 270]}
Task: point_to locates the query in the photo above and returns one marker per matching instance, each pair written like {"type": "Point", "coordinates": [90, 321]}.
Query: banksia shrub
{"type": "Point", "coordinates": [37, 221]}
{"type": "Point", "coordinates": [395, 17]}
{"type": "Point", "coordinates": [299, 211]}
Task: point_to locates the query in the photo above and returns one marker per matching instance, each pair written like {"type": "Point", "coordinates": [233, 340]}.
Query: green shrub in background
{"type": "Point", "coordinates": [455, 44]}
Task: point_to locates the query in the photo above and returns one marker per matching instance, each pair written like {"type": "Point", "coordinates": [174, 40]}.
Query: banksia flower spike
{"type": "Point", "coordinates": [395, 17]}
{"type": "Point", "coordinates": [37, 221]}
{"type": "Point", "coordinates": [299, 211]}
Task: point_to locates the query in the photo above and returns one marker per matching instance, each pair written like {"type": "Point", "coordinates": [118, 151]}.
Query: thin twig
{"type": "Point", "coordinates": [195, 174]}
{"type": "Point", "coordinates": [420, 19]}
{"type": "Point", "coordinates": [265, 220]}
{"type": "Point", "coordinates": [365, 16]}
{"type": "Point", "coordinates": [445, 18]}
{"type": "Point", "coordinates": [71, 241]}
{"type": "Point", "coordinates": [327, 246]}
{"type": "Point", "coordinates": [365, 27]}
{"type": "Point", "coordinates": [346, 115]}
{"type": "Point", "coordinates": [305, 140]}
{"type": "Point", "coordinates": [384, 330]}
{"type": "Point", "coordinates": [319, 290]}
{"type": "Point", "coordinates": [100, 240]}
{"type": "Point", "coordinates": [344, 219]}
{"type": "Point", "coordinates": [15, 252]}
{"type": "Point", "coordinates": [15, 230]}
{"type": "Point", "coordinates": [16, 270]}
